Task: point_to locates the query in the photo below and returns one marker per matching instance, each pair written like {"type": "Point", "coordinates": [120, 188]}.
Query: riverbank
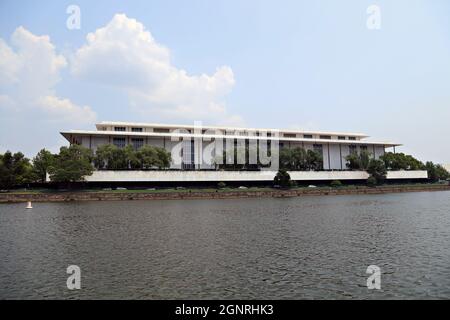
{"type": "Point", "coordinates": [178, 194]}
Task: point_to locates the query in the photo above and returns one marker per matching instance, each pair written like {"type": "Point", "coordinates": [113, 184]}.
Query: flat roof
{"type": "Point", "coordinates": [175, 126]}
{"type": "Point", "coordinates": [67, 134]}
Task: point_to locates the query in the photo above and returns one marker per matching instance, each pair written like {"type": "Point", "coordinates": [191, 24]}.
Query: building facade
{"type": "Point", "coordinates": [194, 147]}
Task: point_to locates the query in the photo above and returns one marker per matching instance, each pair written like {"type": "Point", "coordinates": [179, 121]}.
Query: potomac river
{"type": "Point", "coordinates": [309, 247]}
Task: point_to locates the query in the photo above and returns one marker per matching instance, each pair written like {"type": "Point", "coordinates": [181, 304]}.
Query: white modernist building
{"type": "Point", "coordinates": [196, 151]}
{"type": "Point", "coordinates": [194, 147]}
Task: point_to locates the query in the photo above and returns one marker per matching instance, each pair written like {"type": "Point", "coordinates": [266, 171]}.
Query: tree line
{"type": "Point", "coordinates": [298, 159]}
{"type": "Point", "coordinates": [394, 162]}
{"type": "Point", "coordinates": [75, 162]}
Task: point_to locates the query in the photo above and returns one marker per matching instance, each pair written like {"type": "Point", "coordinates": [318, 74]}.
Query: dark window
{"type": "Point", "coordinates": [161, 130]}
{"type": "Point", "coordinates": [136, 129]}
{"type": "Point", "coordinates": [352, 149]}
{"type": "Point", "coordinates": [307, 136]}
{"type": "Point", "coordinates": [318, 148]}
{"type": "Point", "coordinates": [351, 138]}
{"type": "Point", "coordinates": [137, 143]}
{"type": "Point", "coordinates": [119, 129]}
{"type": "Point", "coordinates": [289, 135]}
{"type": "Point", "coordinates": [325, 137]}
{"type": "Point", "coordinates": [341, 138]}
{"type": "Point", "coordinates": [119, 142]}
{"type": "Point", "coordinates": [363, 148]}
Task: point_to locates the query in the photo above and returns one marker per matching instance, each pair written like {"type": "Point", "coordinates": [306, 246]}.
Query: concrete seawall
{"type": "Point", "coordinates": [182, 195]}
{"type": "Point", "coordinates": [242, 176]}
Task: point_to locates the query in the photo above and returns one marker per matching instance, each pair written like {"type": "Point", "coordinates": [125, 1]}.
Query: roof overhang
{"type": "Point", "coordinates": [177, 136]}
{"type": "Point", "coordinates": [172, 126]}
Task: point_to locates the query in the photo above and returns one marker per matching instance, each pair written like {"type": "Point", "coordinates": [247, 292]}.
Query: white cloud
{"type": "Point", "coordinates": [29, 71]}
{"type": "Point", "coordinates": [29, 74]}
{"type": "Point", "coordinates": [9, 64]}
{"type": "Point", "coordinates": [124, 54]}
{"type": "Point", "coordinates": [66, 110]}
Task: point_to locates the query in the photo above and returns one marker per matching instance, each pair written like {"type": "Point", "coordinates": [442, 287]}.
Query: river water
{"type": "Point", "coordinates": [313, 247]}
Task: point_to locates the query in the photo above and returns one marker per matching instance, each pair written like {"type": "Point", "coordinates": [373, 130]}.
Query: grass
{"type": "Point", "coordinates": [227, 189]}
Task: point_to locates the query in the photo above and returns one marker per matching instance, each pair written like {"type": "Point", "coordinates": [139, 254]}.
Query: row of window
{"type": "Point", "coordinates": [139, 142]}
{"type": "Point", "coordinates": [286, 135]}
{"type": "Point", "coordinates": [135, 142]}
{"type": "Point", "coordinates": [310, 136]}
{"type": "Point", "coordinates": [123, 129]}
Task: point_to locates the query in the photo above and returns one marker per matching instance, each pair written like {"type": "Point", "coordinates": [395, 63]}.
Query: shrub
{"type": "Point", "coordinates": [377, 170]}
{"type": "Point", "coordinates": [283, 179]}
{"type": "Point", "coordinates": [336, 184]}
{"type": "Point", "coordinates": [371, 181]}
{"type": "Point", "coordinates": [221, 185]}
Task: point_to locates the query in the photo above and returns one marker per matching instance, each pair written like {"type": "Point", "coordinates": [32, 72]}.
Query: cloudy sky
{"type": "Point", "coordinates": [284, 64]}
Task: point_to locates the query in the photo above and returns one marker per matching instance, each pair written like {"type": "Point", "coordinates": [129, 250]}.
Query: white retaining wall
{"type": "Point", "coordinates": [187, 176]}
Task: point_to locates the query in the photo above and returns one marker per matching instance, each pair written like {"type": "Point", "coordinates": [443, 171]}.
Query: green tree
{"type": "Point", "coordinates": [314, 160]}
{"type": "Point", "coordinates": [15, 170]}
{"type": "Point", "coordinates": [164, 158]}
{"type": "Point", "coordinates": [359, 161]}
{"type": "Point", "coordinates": [436, 172]}
{"type": "Point", "coordinates": [283, 179]}
{"type": "Point", "coordinates": [131, 156]}
{"type": "Point", "coordinates": [294, 159]}
{"type": "Point", "coordinates": [110, 157]}
{"type": "Point", "coordinates": [377, 170]}
{"type": "Point", "coordinates": [401, 161]}
{"type": "Point", "coordinates": [72, 164]}
{"type": "Point", "coordinates": [151, 157]}
{"type": "Point", "coordinates": [42, 162]}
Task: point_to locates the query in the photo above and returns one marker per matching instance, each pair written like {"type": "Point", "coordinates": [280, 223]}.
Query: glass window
{"type": "Point", "coordinates": [161, 130]}
{"type": "Point", "coordinates": [289, 135]}
{"type": "Point", "coordinates": [137, 143]}
{"type": "Point", "coordinates": [119, 129]}
{"type": "Point", "coordinates": [352, 149]}
{"type": "Point", "coordinates": [119, 142]}
{"type": "Point", "coordinates": [136, 129]}
{"type": "Point", "coordinates": [307, 136]}
{"type": "Point", "coordinates": [188, 154]}
{"type": "Point", "coordinates": [351, 138]}
{"type": "Point", "coordinates": [318, 148]}
{"type": "Point", "coordinates": [341, 138]}
{"type": "Point", "coordinates": [325, 137]}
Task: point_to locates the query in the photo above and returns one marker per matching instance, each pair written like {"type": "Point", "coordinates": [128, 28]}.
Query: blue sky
{"type": "Point", "coordinates": [283, 64]}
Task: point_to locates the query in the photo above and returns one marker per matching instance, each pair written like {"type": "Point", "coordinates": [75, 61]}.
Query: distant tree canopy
{"type": "Point", "coordinates": [436, 172]}
{"type": "Point", "coordinates": [15, 169]}
{"type": "Point", "coordinates": [42, 162]}
{"type": "Point", "coordinates": [147, 157]}
{"type": "Point", "coordinates": [72, 164]}
{"type": "Point", "coordinates": [401, 161]}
